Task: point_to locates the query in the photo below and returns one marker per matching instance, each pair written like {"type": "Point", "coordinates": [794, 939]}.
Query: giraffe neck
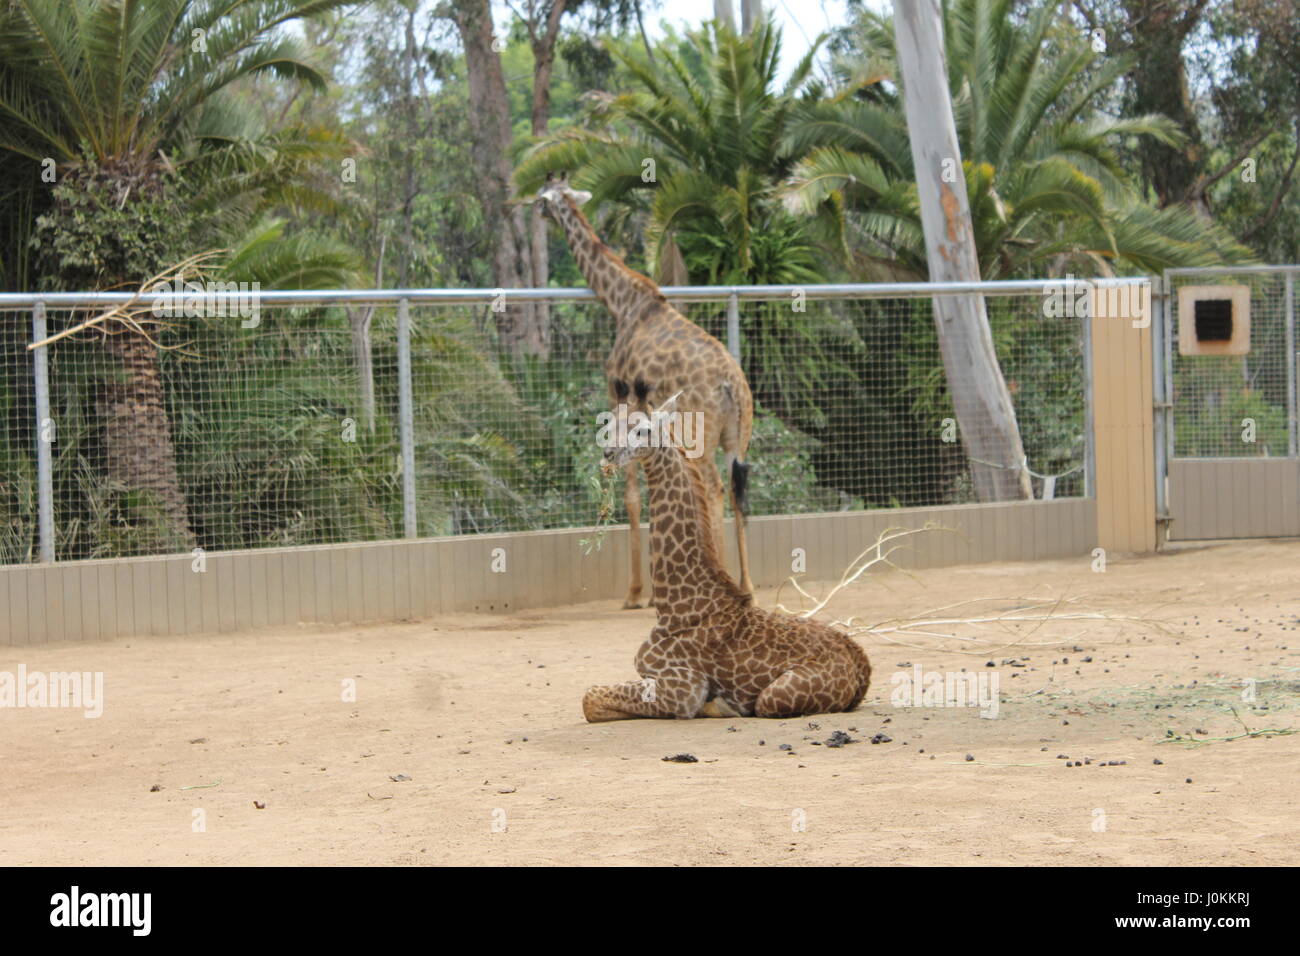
{"type": "Point", "coordinates": [690, 581]}
{"type": "Point", "coordinates": [626, 293]}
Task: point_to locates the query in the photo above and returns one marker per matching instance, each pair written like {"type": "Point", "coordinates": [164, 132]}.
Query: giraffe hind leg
{"type": "Point", "coordinates": [805, 689]}
{"type": "Point", "coordinates": [739, 514]}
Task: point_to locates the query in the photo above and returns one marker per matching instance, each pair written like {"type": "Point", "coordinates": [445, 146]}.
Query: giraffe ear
{"type": "Point", "coordinates": [579, 196]}
{"type": "Point", "coordinates": [670, 405]}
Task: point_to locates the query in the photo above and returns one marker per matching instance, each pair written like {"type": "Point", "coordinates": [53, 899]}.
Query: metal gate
{"type": "Point", "coordinates": [1226, 424]}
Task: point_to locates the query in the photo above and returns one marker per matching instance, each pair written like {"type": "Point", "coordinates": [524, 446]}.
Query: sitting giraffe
{"type": "Point", "coordinates": [713, 653]}
{"type": "Point", "coordinates": [659, 352]}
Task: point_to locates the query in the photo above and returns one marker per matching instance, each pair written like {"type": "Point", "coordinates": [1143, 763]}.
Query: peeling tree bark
{"type": "Point", "coordinates": [985, 415]}
{"type": "Point", "coordinates": [362, 353]}
{"type": "Point", "coordinates": [543, 44]}
{"type": "Point", "coordinates": [489, 110]}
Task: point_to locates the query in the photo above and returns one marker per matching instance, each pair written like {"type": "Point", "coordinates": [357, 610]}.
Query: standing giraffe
{"type": "Point", "coordinates": [658, 352]}
{"type": "Point", "coordinates": [712, 652]}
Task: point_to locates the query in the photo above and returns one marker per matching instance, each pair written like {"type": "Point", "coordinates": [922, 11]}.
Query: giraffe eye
{"type": "Point", "coordinates": [639, 436]}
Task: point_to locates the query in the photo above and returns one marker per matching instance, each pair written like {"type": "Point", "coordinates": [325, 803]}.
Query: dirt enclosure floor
{"type": "Point", "coordinates": [465, 743]}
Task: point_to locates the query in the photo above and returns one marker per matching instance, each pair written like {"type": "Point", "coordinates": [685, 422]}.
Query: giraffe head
{"type": "Point", "coordinates": [556, 191]}
{"type": "Point", "coordinates": [639, 435]}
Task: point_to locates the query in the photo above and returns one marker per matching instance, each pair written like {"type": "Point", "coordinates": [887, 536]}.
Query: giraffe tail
{"type": "Point", "coordinates": [740, 484]}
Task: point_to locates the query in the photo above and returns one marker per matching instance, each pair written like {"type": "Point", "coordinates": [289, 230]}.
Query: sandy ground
{"type": "Point", "coordinates": [482, 715]}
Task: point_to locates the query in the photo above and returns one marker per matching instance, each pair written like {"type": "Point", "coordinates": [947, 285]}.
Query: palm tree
{"type": "Point", "coordinates": [128, 99]}
{"type": "Point", "coordinates": [699, 151]}
{"type": "Point", "coordinates": [691, 162]}
{"type": "Point", "coordinates": [1041, 161]}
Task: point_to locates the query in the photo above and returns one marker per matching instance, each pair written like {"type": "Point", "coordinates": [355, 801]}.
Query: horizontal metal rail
{"type": "Point", "coordinates": [697, 293]}
{"type": "Point", "coordinates": [1217, 270]}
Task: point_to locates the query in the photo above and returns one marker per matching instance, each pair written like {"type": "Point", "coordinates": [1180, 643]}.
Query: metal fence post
{"type": "Point", "coordinates": [1293, 429]}
{"type": "Point", "coordinates": [733, 325]}
{"type": "Point", "coordinates": [1160, 386]}
{"type": "Point", "coordinates": [406, 415]}
{"type": "Point", "coordinates": [1089, 423]}
{"type": "Point", "coordinates": [44, 438]}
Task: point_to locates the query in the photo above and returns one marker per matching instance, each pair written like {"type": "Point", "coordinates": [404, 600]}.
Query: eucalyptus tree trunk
{"type": "Point", "coordinates": [985, 416]}
{"type": "Point", "coordinates": [543, 36]}
{"type": "Point", "coordinates": [362, 352]}
{"type": "Point", "coordinates": [489, 111]}
{"type": "Point", "coordinates": [724, 13]}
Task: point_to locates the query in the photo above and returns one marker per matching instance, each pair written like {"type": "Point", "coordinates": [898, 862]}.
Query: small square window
{"type": "Point", "coordinates": [1213, 320]}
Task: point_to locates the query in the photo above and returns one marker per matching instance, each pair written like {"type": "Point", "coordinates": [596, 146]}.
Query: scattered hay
{"type": "Point", "coordinates": [1173, 738]}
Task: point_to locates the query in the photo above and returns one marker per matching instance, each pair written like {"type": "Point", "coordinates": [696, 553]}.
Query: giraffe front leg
{"type": "Point", "coordinates": [632, 502]}
{"type": "Point", "coordinates": [664, 695]}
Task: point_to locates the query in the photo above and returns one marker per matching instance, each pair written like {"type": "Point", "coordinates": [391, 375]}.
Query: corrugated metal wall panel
{"type": "Point", "coordinates": [1234, 498]}
{"type": "Point", "coordinates": [402, 580]}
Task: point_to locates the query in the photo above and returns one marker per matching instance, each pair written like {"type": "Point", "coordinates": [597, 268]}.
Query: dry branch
{"type": "Point", "coordinates": [988, 628]}
{"type": "Point", "coordinates": [860, 565]}
{"type": "Point", "coordinates": [128, 313]}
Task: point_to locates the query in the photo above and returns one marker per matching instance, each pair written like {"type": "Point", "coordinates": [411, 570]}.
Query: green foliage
{"type": "Point", "coordinates": [1042, 161]}
{"type": "Point", "coordinates": [784, 478]}
{"type": "Point", "coordinates": [1218, 411]}
{"type": "Point", "coordinates": [164, 149]}
{"type": "Point", "coordinates": [92, 238]}
{"type": "Point", "coordinates": [696, 151]}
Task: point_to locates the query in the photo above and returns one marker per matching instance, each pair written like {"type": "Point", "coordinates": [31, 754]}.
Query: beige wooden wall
{"type": "Point", "coordinates": [408, 580]}
{"type": "Point", "coordinates": [1123, 403]}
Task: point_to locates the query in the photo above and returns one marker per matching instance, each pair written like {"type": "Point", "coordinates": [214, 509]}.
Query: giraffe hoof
{"type": "Point", "coordinates": [597, 713]}
{"type": "Point", "coordinates": [630, 605]}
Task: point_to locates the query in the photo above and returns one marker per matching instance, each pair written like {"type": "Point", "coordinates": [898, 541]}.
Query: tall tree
{"type": "Point", "coordinates": [1043, 158]}
{"type": "Point", "coordinates": [979, 392]}
{"type": "Point", "coordinates": [115, 93]}
{"type": "Point", "coordinates": [1160, 86]}
{"type": "Point", "coordinates": [493, 138]}
{"type": "Point", "coordinates": [542, 23]}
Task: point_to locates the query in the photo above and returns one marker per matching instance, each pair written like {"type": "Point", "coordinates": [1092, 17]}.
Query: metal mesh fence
{"type": "Point", "coordinates": [264, 436]}
{"type": "Point", "coordinates": [1236, 406]}
{"type": "Point", "coordinates": [18, 530]}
